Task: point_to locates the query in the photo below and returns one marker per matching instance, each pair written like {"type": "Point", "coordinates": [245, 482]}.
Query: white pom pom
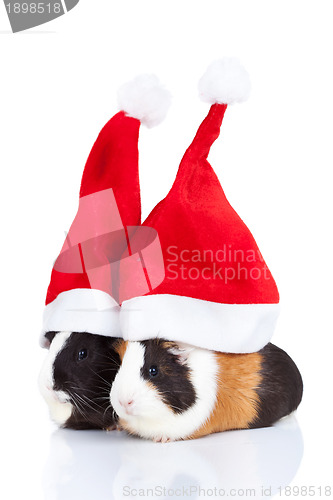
{"type": "Point", "coordinates": [225, 82]}
{"type": "Point", "coordinates": [146, 99]}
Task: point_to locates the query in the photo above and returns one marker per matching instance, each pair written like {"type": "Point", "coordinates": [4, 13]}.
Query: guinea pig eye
{"type": "Point", "coordinates": [82, 354]}
{"type": "Point", "coordinates": [153, 371]}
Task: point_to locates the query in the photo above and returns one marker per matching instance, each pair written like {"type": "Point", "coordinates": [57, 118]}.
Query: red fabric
{"type": "Point", "coordinates": [112, 163]}
{"type": "Point", "coordinates": [196, 218]}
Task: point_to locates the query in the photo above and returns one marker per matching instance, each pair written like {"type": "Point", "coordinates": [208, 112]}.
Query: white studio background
{"type": "Point", "coordinates": [274, 159]}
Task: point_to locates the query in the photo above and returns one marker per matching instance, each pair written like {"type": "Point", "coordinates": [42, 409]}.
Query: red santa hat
{"type": "Point", "coordinates": [217, 292]}
{"type": "Point", "coordinates": [83, 291]}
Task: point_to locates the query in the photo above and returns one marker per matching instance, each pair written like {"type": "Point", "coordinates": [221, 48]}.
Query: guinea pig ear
{"type": "Point", "coordinates": [50, 336]}
{"type": "Point", "coordinates": [182, 351]}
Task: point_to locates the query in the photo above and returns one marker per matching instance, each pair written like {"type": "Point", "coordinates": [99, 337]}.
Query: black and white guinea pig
{"type": "Point", "coordinates": [76, 378]}
{"type": "Point", "coordinates": [167, 391]}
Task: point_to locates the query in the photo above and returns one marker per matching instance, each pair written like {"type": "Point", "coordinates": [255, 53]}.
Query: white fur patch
{"type": "Point", "coordinates": [58, 401]}
{"type": "Point", "coordinates": [225, 82]}
{"type": "Point", "coordinates": [150, 417]}
{"type": "Point", "coordinates": [128, 385]}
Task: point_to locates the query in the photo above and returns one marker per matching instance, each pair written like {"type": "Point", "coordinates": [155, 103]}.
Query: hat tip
{"type": "Point", "coordinates": [225, 81]}
{"type": "Point", "coordinates": [145, 99]}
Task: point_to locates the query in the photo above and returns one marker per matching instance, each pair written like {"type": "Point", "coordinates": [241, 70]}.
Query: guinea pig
{"type": "Point", "coordinates": [76, 378]}
{"type": "Point", "coordinates": [167, 391]}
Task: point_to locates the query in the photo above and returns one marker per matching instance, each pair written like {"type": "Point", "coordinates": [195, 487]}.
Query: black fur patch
{"type": "Point", "coordinates": [281, 389]}
{"type": "Point", "coordinates": [87, 382]}
{"type": "Point", "coordinates": [50, 336]}
{"type": "Point", "coordinates": [173, 379]}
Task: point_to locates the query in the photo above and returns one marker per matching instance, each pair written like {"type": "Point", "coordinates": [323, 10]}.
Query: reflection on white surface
{"type": "Point", "coordinates": [104, 466]}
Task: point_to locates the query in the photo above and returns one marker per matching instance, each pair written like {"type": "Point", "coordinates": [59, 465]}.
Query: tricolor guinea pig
{"type": "Point", "coordinates": [167, 391]}
{"type": "Point", "coordinates": [76, 378]}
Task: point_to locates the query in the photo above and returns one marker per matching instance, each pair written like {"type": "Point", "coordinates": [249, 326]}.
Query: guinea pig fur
{"type": "Point", "coordinates": [76, 378]}
{"type": "Point", "coordinates": [167, 391]}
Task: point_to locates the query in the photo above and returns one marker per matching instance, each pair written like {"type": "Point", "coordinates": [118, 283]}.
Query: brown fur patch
{"type": "Point", "coordinates": [124, 426]}
{"type": "Point", "coordinates": [237, 399]}
{"type": "Point", "coordinates": [120, 348]}
{"type": "Point", "coordinates": [167, 344]}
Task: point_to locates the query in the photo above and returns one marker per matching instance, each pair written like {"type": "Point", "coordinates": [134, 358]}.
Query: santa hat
{"type": "Point", "coordinates": [217, 292]}
{"type": "Point", "coordinates": [83, 291]}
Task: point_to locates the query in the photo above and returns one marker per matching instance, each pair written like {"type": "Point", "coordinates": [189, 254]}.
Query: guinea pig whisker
{"type": "Point", "coordinates": [107, 408]}
{"type": "Point", "coordinates": [79, 410]}
{"type": "Point", "coordinates": [81, 403]}
{"type": "Point", "coordinates": [86, 405]}
{"type": "Point", "coordinates": [105, 367]}
{"type": "Point", "coordinates": [80, 388]}
{"type": "Point", "coordinates": [77, 407]}
{"type": "Point", "coordinates": [74, 399]}
{"type": "Point", "coordinates": [88, 402]}
{"type": "Point", "coordinates": [100, 376]}
{"type": "Point", "coordinates": [106, 370]}
{"type": "Point", "coordinates": [104, 389]}
{"type": "Point", "coordinates": [109, 358]}
{"type": "Point", "coordinates": [93, 401]}
{"type": "Point", "coordinates": [110, 361]}
{"type": "Point", "coordinates": [97, 405]}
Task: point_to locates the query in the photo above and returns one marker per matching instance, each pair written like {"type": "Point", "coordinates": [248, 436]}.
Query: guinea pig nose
{"type": "Point", "coordinates": [128, 405]}
{"type": "Point", "coordinates": [127, 402]}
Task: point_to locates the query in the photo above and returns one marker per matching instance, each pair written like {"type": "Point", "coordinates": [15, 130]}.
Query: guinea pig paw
{"type": "Point", "coordinates": [111, 428]}
{"type": "Point", "coordinates": [162, 439]}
